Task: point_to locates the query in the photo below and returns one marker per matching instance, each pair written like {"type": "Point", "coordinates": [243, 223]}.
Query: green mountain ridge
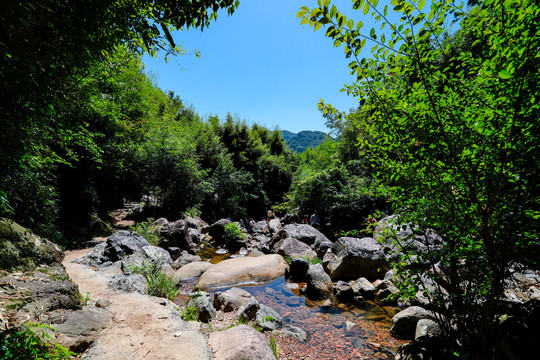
{"type": "Point", "coordinates": [300, 142]}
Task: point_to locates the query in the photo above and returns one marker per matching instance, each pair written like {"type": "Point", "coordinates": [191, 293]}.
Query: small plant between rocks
{"type": "Point", "coordinates": [144, 228]}
{"type": "Point", "coordinates": [159, 284]}
{"type": "Point", "coordinates": [31, 341]}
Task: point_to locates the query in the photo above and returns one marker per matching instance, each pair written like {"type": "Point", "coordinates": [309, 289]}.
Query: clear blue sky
{"type": "Point", "coordinates": [261, 65]}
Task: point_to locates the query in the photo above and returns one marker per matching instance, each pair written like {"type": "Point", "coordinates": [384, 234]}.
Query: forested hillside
{"type": "Point", "coordinates": [305, 139]}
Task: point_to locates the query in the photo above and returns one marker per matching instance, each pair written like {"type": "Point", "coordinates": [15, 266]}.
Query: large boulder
{"type": "Point", "coordinates": [302, 232]}
{"type": "Point", "coordinates": [319, 285]}
{"type": "Point", "coordinates": [243, 270]}
{"type": "Point", "coordinates": [129, 283]}
{"type": "Point", "coordinates": [294, 248]}
{"type": "Point", "coordinates": [77, 330]}
{"type": "Point", "coordinates": [176, 234]}
{"type": "Point", "coordinates": [232, 299]}
{"type": "Point", "coordinates": [274, 226]}
{"type": "Point", "coordinates": [191, 270]}
{"type": "Point", "coordinates": [20, 248]}
{"type": "Point", "coordinates": [147, 256]}
{"type": "Point", "coordinates": [241, 342]}
{"type": "Point", "coordinates": [217, 230]}
{"type": "Point", "coordinates": [298, 270]}
{"type": "Point", "coordinates": [184, 259]}
{"type": "Point", "coordinates": [357, 258]}
{"type": "Point", "coordinates": [123, 243]}
{"type": "Point", "coordinates": [404, 322]}
{"type": "Point", "coordinates": [204, 305]}
{"type": "Point", "coordinates": [363, 287]}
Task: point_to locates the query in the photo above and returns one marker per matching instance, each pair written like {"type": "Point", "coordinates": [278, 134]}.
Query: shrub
{"type": "Point", "coordinates": [159, 284]}
{"type": "Point", "coordinates": [232, 233]}
{"type": "Point", "coordinates": [144, 228]}
{"type": "Point", "coordinates": [31, 342]}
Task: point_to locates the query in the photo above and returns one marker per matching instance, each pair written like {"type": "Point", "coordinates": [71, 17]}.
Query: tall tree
{"type": "Point", "coordinates": [454, 136]}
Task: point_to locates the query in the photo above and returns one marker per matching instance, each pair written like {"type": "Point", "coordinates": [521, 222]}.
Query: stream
{"type": "Point", "coordinates": [331, 330]}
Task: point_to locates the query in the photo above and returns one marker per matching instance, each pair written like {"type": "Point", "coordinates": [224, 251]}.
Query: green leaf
{"type": "Point", "coordinates": [421, 4]}
{"type": "Point", "coordinates": [333, 11]}
{"type": "Point", "coordinates": [504, 74]}
{"type": "Point", "coordinates": [366, 8]}
{"type": "Point", "coordinates": [301, 13]}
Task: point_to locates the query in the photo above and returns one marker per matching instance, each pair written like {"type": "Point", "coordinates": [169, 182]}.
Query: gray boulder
{"type": "Point", "coordinates": [363, 288]}
{"type": "Point", "coordinates": [184, 259]}
{"type": "Point", "coordinates": [404, 323]}
{"type": "Point", "coordinates": [77, 330]}
{"type": "Point", "coordinates": [297, 270]}
{"type": "Point", "coordinates": [319, 285]}
{"type": "Point", "coordinates": [203, 302]}
{"type": "Point", "coordinates": [248, 310]}
{"type": "Point", "coordinates": [123, 243]}
{"type": "Point", "coordinates": [294, 248]}
{"type": "Point", "coordinates": [176, 234]}
{"type": "Point", "coordinates": [357, 258]}
{"type": "Point", "coordinates": [95, 257]}
{"type": "Point", "coordinates": [274, 226]}
{"type": "Point", "coordinates": [147, 256]}
{"type": "Point", "coordinates": [129, 283]}
{"type": "Point", "coordinates": [343, 291]}
{"type": "Point", "coordinates": [295, 332]}
{"type": "Point", "coordinates": [302, 232]}
{"type": "Point", "coordinates": [241, 342]}
{"type": "Point", "coordinates": [232, 299]}
{"type": "Point", "coordinates": [427, 327]}
{"type": "Point", "coordinates": [216, 230]}
{"type": "Point", "coordinates": [190, 271]}
{"type": "Point", "coordinates": [268, 318]}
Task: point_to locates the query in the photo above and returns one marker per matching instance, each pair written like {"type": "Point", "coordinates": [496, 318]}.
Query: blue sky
{"type": "Point", "coordinates": [260, 65]}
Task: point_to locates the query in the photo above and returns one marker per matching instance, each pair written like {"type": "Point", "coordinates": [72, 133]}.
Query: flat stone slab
{"type": "Point", "coordinates": [244, 270]}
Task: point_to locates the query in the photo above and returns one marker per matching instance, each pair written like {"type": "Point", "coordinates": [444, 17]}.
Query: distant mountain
{"type": "Point", "coordinates": [303, 140]}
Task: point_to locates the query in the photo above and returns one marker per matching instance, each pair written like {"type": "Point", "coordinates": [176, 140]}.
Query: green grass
{"type": "Point", "coordinates": [273, 345]}
{"type": "Point", "coordinates": [144, 228]}
{"type": "Point", "coordinates": [309, 260]}
{"type": "Point", "coordinates": [159, 284]}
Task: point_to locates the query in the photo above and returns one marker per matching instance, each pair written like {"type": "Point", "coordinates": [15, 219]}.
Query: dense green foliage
{"type": "Point", "coordinates": [300, 142]}
{"type": "Point", "coordinates": [449, 123]}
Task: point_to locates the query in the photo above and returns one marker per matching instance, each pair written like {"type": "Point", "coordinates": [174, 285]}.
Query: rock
{"type": "Point", "coordinates": [77, 330]}
{"type": "Point", "coordinates": [248, 310]}
{"type": "Point", "coordinates": [184, 259]}
{"type": "Point", "coordinates": [425, 348]}
{"type": "Point", "coordinates": [294, 248]}
{"type": "Point", "coordinates": [243, 270]}
{"type": "Point", "coordinates": [260, 227]}
{"type": "Point", "coordinates": [268, 318]}
{"type": "Point", "coordinates": [404, 322]}
{"type": "Point", "coordinates": [352, 329]}
{"type": "Point", "coordinates": [302, 232]}
{"type": "Point", "coordinates": [357, 258]}
{"type": "Point", "coordinates": [343, 291]}
{"type": "Point", "coordinates": [387, 292]}
{"type": "Point", "coordinates": [191, 270]}
{"type": "Point", "coordinates": [319, 285]}
{"type": "Point", "coordinates": [427, 327]}
{"type": "Point", "coordinates": [231, 300]}
{"type": "Point", "coordinates": [255, 253]}
{"type": "Point", "coordinates": [103, 303]}
{"type": "Point", "coordinates": [129, 283]}
{"type": "Point", "coordinates": [295, 332]}
{"type": "Point", "coordinates": [274, 226]}
{"type": "Point", "coordinates": [123, 243]}
{"type": "Point", "coordinates": [195, 235]}
{"type": "Point", "coordinates": [204, 304]}
{"type": "Point", "coordinates": [363, 288]}
{"type": "Point", "coordinates": [96, 256]}
{"type": "Point", "coordinates": [240, 343]}
{"type": "Point", "coordinates": [217, 230]}
{"type": "Point", "coordinates": [176, 234]}
{"type": "Point", "coordinates": [298, 270]}
{"type": "Point", "coordinates": [147, 256]}
{"type": "Point", "coordinates": [20, 248]}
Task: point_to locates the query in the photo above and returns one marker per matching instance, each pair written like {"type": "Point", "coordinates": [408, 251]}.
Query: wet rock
{"type": "Point", "coordinates": [404, 323]}
{"type": "Point", "coordinates": [293, 301]}
{"type": "Point", "coordinates": [77, 330]}
{"type": "Point", "coordinates": [357, 258]}
{"type": "Point", "coordinates": [231, 300]}
{"type": "Point", "coordinates": [240, 342]}
{"type": "Point", "coordinates": [129, 283]}
{"type": "Point", "coordinates": [319, 285]}
{"type": "Point", "coordinates": [192, 270]}
{"type": "Point", "coordinates": [268, 318]}
{"type": "Point", "coordinates": [352, 329]}
{"type": "Point", "coordinates": [343, 291]}
{"type": "Point", "coordinates": [363, 288]}
{"type": "Point", "coordinates": [295, 332]}
{"type": "Point", "coordinates": [294, 248]}
{"type": "Point", "coordinates": [243, 270]}
{"type": "Point", "coordinates": [248, 310]}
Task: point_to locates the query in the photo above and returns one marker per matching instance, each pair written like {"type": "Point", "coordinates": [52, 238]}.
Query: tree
{"type": "Point", "coordinates": [454, 134]}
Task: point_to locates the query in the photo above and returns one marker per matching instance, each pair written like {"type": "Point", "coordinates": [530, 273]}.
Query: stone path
{"type": "Point", "coordinates": [143, 327]}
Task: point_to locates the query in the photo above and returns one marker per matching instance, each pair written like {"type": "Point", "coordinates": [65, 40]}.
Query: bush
{"type": "Point", "coordinates": [232, 233]}
{"type": "Point", "coordinates": [144, 228]}
{"type": "Point", "coordinates": [26, 343]}
{"type": "Point", "coordinates": [159, 284]}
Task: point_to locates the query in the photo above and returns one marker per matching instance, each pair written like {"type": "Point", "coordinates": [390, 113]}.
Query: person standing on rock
{"type": "Point", "coordinates": [269, 216]}
{"type": "Point", "coordinates": [314, 220]}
